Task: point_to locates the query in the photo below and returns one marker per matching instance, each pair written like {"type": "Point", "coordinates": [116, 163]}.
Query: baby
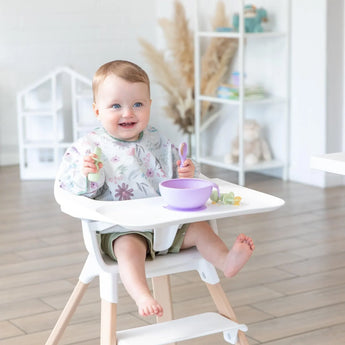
{"type": "Point", "coordinates": [135, 158]}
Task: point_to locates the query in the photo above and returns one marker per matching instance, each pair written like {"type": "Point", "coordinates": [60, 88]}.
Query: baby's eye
{"type": "Point", "coordinates": [116, 106]}
{"type": "Point", "coordinates": [138, 105]}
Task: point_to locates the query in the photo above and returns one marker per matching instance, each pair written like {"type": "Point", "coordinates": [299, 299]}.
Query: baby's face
{"type": "Point", "coordinates": [123, 108]}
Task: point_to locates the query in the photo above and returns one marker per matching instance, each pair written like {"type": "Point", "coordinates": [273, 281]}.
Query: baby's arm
{"type": "Point", "coordinates": [187, 170]}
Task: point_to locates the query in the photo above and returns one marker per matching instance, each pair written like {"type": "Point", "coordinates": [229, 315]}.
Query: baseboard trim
{"type": "Point", "coordinates": [9, 159]}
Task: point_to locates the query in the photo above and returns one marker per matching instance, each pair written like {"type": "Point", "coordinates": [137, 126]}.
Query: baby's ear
{"type": "Point", "coordinates": [95, 109]}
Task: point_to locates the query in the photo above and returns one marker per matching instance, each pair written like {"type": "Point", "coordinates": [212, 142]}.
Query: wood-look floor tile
{"type": "Point", "coordinates": [310, 282]}
{"type": "Point", "coordinates": [251, 295]}
{"type": "Point", "coordinates": [318, 236]}
{"type": "Point", "coordinates": [8, 330]}
{"type": "Point", "coordinates": [29, 278]}
{"type": "Point", "coordinates": [315, 265]}
{"type": "Point", "coordinates": [34, 291]}
{"type": "Point", "coordinates": [290, 291]}
{"type": "Point", "coordinates": [298, 323]}
{"type": "Point", "coordinates": [321, 249]}
{"type": "Point", "coordinates": [310, 300]}
{"type": "Point", "coordinates": [333, 335]}
{"type": "Point", "coordinates": [19, 246]}
{"type": "Point", "coordinates": [40, 264]}
{"type": "Point", "coordinates": [281, 259]}
{"type": "Point", "coordinates": [250, 278]}
{"type": "Point", "coordinates": [45, 251]}
{"type": "Point", "coordinates": [24, 308]}
{"type": "Point", "coordinates": [47, 320]}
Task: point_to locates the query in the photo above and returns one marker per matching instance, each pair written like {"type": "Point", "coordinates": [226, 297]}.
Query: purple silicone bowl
{"type": "Point", "coordinates": [186, 193]}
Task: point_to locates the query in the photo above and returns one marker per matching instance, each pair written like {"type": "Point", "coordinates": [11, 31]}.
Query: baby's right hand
{"type": "Point", "coordinates": [89, 164]}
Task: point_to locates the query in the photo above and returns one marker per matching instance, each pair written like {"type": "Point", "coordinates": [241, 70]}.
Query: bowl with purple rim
{"type": "Point", "coordinates": [186, 194]}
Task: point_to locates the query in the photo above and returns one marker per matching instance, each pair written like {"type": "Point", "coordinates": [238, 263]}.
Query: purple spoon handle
{"type": "Point", "coordinates": [182, 151]}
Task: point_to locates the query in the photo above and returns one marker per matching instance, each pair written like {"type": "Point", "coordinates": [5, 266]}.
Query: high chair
{"type": "Point", "coordinates": [143, 214]}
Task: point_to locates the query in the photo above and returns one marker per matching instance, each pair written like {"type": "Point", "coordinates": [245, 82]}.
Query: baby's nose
{"type": "Point", "coordinates": [128, 111]}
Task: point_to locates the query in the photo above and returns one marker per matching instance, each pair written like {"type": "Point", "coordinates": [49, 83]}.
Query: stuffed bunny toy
{"type": "Point", "coordinates": [255, 147]}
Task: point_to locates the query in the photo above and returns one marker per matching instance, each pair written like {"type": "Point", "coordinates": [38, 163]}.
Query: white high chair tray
{"type": "Point", "coordinates": [139, 215]}
{"type": "Point", "coordinates": [148, 214]}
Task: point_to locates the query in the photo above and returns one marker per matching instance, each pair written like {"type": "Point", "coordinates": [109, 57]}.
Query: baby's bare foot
{"type": "Point", "coordinates": [149, 306]}
{"type": "Point", "coordinates": [238, 255]}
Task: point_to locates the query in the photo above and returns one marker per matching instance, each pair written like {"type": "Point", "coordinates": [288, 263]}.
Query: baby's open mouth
{"type": "Point", "coordinates": [127, 124]}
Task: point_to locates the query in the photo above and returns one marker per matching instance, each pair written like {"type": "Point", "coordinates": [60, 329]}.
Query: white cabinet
{"type": "Point", "coordinates": [261, 59]}
{"type": "Point", "coordinates": [52, 113]}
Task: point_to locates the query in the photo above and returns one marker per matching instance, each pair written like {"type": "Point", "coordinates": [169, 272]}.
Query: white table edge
{"type": "Point", "coordinates": [329, 162]}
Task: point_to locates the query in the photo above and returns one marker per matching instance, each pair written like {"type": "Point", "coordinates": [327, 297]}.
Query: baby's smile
{"type": "Point", "coordinates": [127, 124]}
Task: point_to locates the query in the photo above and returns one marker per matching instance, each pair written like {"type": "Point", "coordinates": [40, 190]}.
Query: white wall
{"type": "Point", "coordinates": [335, 82]}
{"type": "Point", "coordinates": [317, 78]}
{"type": "Point", "coordinates": [308, 87]}
{"type": "Point", "coordinates": [343, 96]}
{"type": "Point", "coordinates": [37, 36]}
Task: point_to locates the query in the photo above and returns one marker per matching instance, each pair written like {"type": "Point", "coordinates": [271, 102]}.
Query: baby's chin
{"type": "Point", "coordinates": [127, 136]}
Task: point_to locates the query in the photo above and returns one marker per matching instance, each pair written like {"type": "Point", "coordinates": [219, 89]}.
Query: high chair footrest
{"type": "Point", "coordinates": [182, 329]}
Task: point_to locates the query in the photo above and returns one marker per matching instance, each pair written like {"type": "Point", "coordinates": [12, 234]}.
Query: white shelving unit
{"type": "Point", "coordinates": [243, 108]}
{"type": "Point", "coordinates": [52, 113]}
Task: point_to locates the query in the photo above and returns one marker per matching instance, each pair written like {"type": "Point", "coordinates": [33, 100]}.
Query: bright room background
{"type": "Point", "coordinates": [38, 36]}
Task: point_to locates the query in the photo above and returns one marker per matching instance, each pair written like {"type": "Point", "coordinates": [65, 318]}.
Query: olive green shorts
{"type": "Point", "coordinates": [108, 239]}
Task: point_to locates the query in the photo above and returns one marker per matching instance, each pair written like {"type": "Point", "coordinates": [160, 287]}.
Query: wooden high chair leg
{"type": "Point", "coordinates": [162, 293]}
{"type": "Point", "coordinates": [67, 313]}
{"type": "Point", "coordinates": [224, 308]}
{"type": "Point", "coordinates": [108, 323]}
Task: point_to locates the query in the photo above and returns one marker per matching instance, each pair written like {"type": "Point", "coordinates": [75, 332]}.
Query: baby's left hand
{"type": "Point", "coordinates": [188, 169]}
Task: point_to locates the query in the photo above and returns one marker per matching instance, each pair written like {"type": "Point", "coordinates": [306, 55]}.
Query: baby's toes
{"type": "Point", "coordinates": [251, 244]}
{"type": "Point", "coordinates": [147, 311]}
{"type": "Point", "coordinates": [153, 310]}
{"type": "Point", "coordinates": [159, 311]}
{"type": "Point", "coordinates": [241, 238]}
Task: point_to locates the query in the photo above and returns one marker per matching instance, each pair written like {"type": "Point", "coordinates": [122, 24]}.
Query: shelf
{"type": "Point", "coordinates": [43, 111]}
{"type": "Point", "coordinates": [181, 329]}
{"type": "Point", "coordinates": [260, 35]}
{"type": "Point", "coordinates": [266, 100]}
{"type": "Point", "coordinates": [45, 144]}
{"type": "Point", "coordinates": [86, 127]}
{"type": "Point", "coordinates": [48, 112]}
{"type": "Point", "coordinates": [264, 58]}
{"type": "Point", "coordinates": [218, 161]}
{"type": "Point", "coordinates": [33, 113]}
{"type": "Point", "coordinates": [84, 94]}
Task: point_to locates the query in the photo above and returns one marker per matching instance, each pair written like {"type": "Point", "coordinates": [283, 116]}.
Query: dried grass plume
{"type": "Point", "coordinates": [173, 68]}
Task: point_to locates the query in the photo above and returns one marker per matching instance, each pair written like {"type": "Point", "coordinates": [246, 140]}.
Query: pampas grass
{"type": "Point", "coordinates": [180, 43]}
{"type": "Point", "coordinates": [174, 68]}
{"type": "Point", "coordinates": [216, 61]}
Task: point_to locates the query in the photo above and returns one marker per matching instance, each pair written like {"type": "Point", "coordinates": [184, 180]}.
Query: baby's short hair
{"type": "Point", "coordinates": [126, 70]}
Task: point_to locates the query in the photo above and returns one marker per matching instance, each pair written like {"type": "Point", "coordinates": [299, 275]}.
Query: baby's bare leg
{"type": "Point", "coordinates": [214, 250]}
{"type": "Point", "coordinates": [130, 251]}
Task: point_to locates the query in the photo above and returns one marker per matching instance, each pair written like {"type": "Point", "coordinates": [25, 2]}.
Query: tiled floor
{"type": "Point", "coordinates": [292, 291]}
